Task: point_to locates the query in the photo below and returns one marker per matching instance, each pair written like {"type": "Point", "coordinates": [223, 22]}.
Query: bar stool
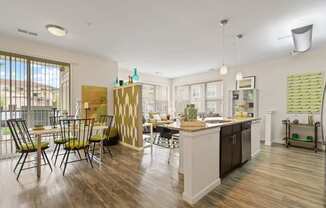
{"type": "Point", "coordinates": [173, 144]}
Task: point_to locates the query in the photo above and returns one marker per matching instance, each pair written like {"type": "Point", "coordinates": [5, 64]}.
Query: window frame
{"type": "Point", "coordinates": [204, 97]}
{"type": "Point", "coordinates": [155, 93]}
{"type": "Point", "coordinates": [30, 59]}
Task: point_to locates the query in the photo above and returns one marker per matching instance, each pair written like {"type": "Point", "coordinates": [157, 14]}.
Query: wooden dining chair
{"type": "Point", "coordinates": [57, 139]}
{"type": "Point", "coordinates": [76, 133]}
{"type": "Point", "coordinates": [105, 120]}
{"type": "Point", "coordinates": [25, 145]}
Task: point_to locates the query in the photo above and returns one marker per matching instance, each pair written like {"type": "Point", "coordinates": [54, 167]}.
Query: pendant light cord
{"type": "Point", "coordinates": [223, 44]}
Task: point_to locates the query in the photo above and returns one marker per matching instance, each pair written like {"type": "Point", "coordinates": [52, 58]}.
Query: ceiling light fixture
{"type": "Point", "coordinates": [56, 30]}
{"type": "Point", "coordinates": [302, 38]}
{"type": "Point", "coordinates": [224, 68]}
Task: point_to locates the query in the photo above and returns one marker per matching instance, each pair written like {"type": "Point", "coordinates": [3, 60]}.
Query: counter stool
{"type": "Point", "coordinates": [173, 144]}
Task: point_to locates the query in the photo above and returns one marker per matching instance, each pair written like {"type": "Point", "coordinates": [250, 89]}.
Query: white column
{"type": "Point", "coordinates": [268, 128]}
{"type": "Point", "coordinates": [201, 157]}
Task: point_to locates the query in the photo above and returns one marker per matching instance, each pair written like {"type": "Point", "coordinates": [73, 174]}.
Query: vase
{"type": "Point", "coordinates": [135, 75]}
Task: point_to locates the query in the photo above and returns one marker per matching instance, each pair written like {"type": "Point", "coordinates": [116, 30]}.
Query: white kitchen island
{"type": "Point", "coordinates": [200, 156]}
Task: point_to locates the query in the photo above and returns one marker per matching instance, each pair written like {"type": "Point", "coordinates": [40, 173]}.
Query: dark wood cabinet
{"type": "Point", "coordinates": [230, 148]}
{"type": "Point", "coordinates": [226, 154]}
{"type": "Point", "coordinates": [236, 150]}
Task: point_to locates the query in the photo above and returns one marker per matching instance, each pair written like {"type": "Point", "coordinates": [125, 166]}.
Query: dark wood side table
{"type": "Point", "coordinates": [289, 128]}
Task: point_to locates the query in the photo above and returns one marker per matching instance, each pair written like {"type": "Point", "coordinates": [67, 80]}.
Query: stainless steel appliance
{"type": "Point", "coordinates": [246, 142]}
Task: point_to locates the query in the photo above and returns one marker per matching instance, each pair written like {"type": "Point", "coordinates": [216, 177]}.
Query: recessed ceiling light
{"type": "Point", "coordinates": [56, 30]}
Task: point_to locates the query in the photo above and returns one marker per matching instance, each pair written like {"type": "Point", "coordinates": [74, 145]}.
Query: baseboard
{"type": "Point", "coordinates": [131, 147]}
{"type": "Point", "coordinates": [193, 199]}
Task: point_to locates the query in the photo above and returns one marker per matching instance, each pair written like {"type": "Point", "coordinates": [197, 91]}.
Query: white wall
{"type": "Point", "coordinates": [145, 78]}
{"type": "Point", "coordinates": [150, 79]}
{"type": "Point", "coordinates": [271, 80]}
{"type": "Point", "coordinates": [86, 69]}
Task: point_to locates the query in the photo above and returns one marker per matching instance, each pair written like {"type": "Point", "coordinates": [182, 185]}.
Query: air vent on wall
{"type": "Point", "coordinates": [27, 32]}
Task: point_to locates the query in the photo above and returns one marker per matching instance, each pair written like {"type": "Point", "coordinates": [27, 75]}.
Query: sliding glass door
{"type": "Point", "coordinates": [30, 88]}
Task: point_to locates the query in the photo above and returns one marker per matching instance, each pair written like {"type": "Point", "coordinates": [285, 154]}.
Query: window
{"type": "Point", "coordinates": [214, 97]}
{"type": "Point", "coordinates": [148, 98]}
{"type": "Point", "coordinates": [32, 86]}
{"type": "Point", "coordinates": [155, 98]}
{"type": "Point", "coordinates": [198, 96]}
{"type": "Point", "coordinates": [207, 97]}
{"type": "Point", "coordinates": [182, 98]}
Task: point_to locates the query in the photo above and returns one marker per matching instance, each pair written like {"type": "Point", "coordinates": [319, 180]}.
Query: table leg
{"type": "Point", "coordinates": [38, 158]}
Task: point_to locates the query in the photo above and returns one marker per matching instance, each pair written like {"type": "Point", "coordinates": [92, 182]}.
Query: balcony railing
{"type": "Point", "coordinates": [36, 116]}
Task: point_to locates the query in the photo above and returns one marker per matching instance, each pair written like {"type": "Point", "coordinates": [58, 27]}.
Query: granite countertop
{"type": "Point", "coordinates": [227, 122]}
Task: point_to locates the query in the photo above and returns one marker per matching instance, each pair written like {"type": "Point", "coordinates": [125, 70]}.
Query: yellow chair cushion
{"type": "Point", "coordinates": [113, 132]}
{"type": "Point", "coordinates": [62, 141]}
{"type": "Point", "coordinates": [76, 144]}
{"type": "Point", "coordinates": [97, 138]}
{"type": "Point", "coordinates": [29, 146]}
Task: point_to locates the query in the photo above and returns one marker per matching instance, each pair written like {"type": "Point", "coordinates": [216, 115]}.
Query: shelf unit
{"type": "Point", "coordinates": [290, 127]}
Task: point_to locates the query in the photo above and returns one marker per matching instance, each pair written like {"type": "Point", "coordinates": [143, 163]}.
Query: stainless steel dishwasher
{"type": "Point", "coordinates": [246, 142]}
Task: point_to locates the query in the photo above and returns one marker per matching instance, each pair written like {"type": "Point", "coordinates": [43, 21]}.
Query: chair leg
{"type": "Point", "coordinates": [64, 156]}
{"type": "Point", "coordinates": [53, 153]}
{"type": "Point", "coordinates": [170, 147]}
{"type": "Point", "coordinates": [86, 156]}
{"type": "Point", "coordinates": [79, 154]}
{"type": "Point", "coordinates": [109, 149]}
{"type": "Point", "coordinates": [21, 156]}
{"type": "Point", "coordinates": [56, 157]}
{"type": "Point", "coordinates": [45, 162]}
{"type": "Point", "coordinates": [21, 167]}
{"type": "Point", "coordinates": [47, 159]}
{"type": "Point", "coordinates": [93, 150]}
{"type": "Point", "coordinates": [64, 169]}
{"type": "Point", "coordinates": [89, 158]}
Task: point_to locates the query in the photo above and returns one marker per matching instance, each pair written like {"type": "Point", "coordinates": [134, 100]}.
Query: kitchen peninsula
{"type": "Point", "coordinates": [209, 153]}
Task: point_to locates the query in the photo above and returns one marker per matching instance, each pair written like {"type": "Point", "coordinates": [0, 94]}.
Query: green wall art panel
{"type": "Point", "coordinates": [305, 92]}
{"type": "Point", "coordinates": [128, 114]}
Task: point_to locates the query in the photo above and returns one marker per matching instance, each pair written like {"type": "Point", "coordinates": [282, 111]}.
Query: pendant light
{"type": "Point", "coordinates": [302, 38]}
{"type": "Point", "coordinates": [239, 75]}
{"type": "Point", "coordinates": [224, 68]}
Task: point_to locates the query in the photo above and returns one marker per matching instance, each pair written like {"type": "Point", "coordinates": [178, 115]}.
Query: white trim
{"type": "Point", "coordinates": [202, 193]}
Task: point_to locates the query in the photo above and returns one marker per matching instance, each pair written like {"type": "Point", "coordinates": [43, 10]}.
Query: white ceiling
{"type": "Point", "coordinates": [173, 37]}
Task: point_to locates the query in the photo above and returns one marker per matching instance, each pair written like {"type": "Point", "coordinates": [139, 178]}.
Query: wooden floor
{"type": "Point", "coordinates": [277, 177]}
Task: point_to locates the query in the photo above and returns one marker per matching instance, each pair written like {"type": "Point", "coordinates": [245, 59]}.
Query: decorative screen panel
{"type": "Point", "coordinates": [305, 92]}
{"type": "Point", "coordinates": [128, 114]}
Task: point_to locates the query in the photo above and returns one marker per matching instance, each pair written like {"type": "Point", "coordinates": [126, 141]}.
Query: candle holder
{"type": "Point", "coordinates": [86, 112]}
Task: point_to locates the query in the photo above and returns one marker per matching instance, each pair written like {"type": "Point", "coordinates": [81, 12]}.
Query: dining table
{"type": "Point", "coordinates": [50, 130]}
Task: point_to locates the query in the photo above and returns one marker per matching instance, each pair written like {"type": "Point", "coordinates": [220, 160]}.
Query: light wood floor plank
{"type": "Point", "coordinates": [278, 177]}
